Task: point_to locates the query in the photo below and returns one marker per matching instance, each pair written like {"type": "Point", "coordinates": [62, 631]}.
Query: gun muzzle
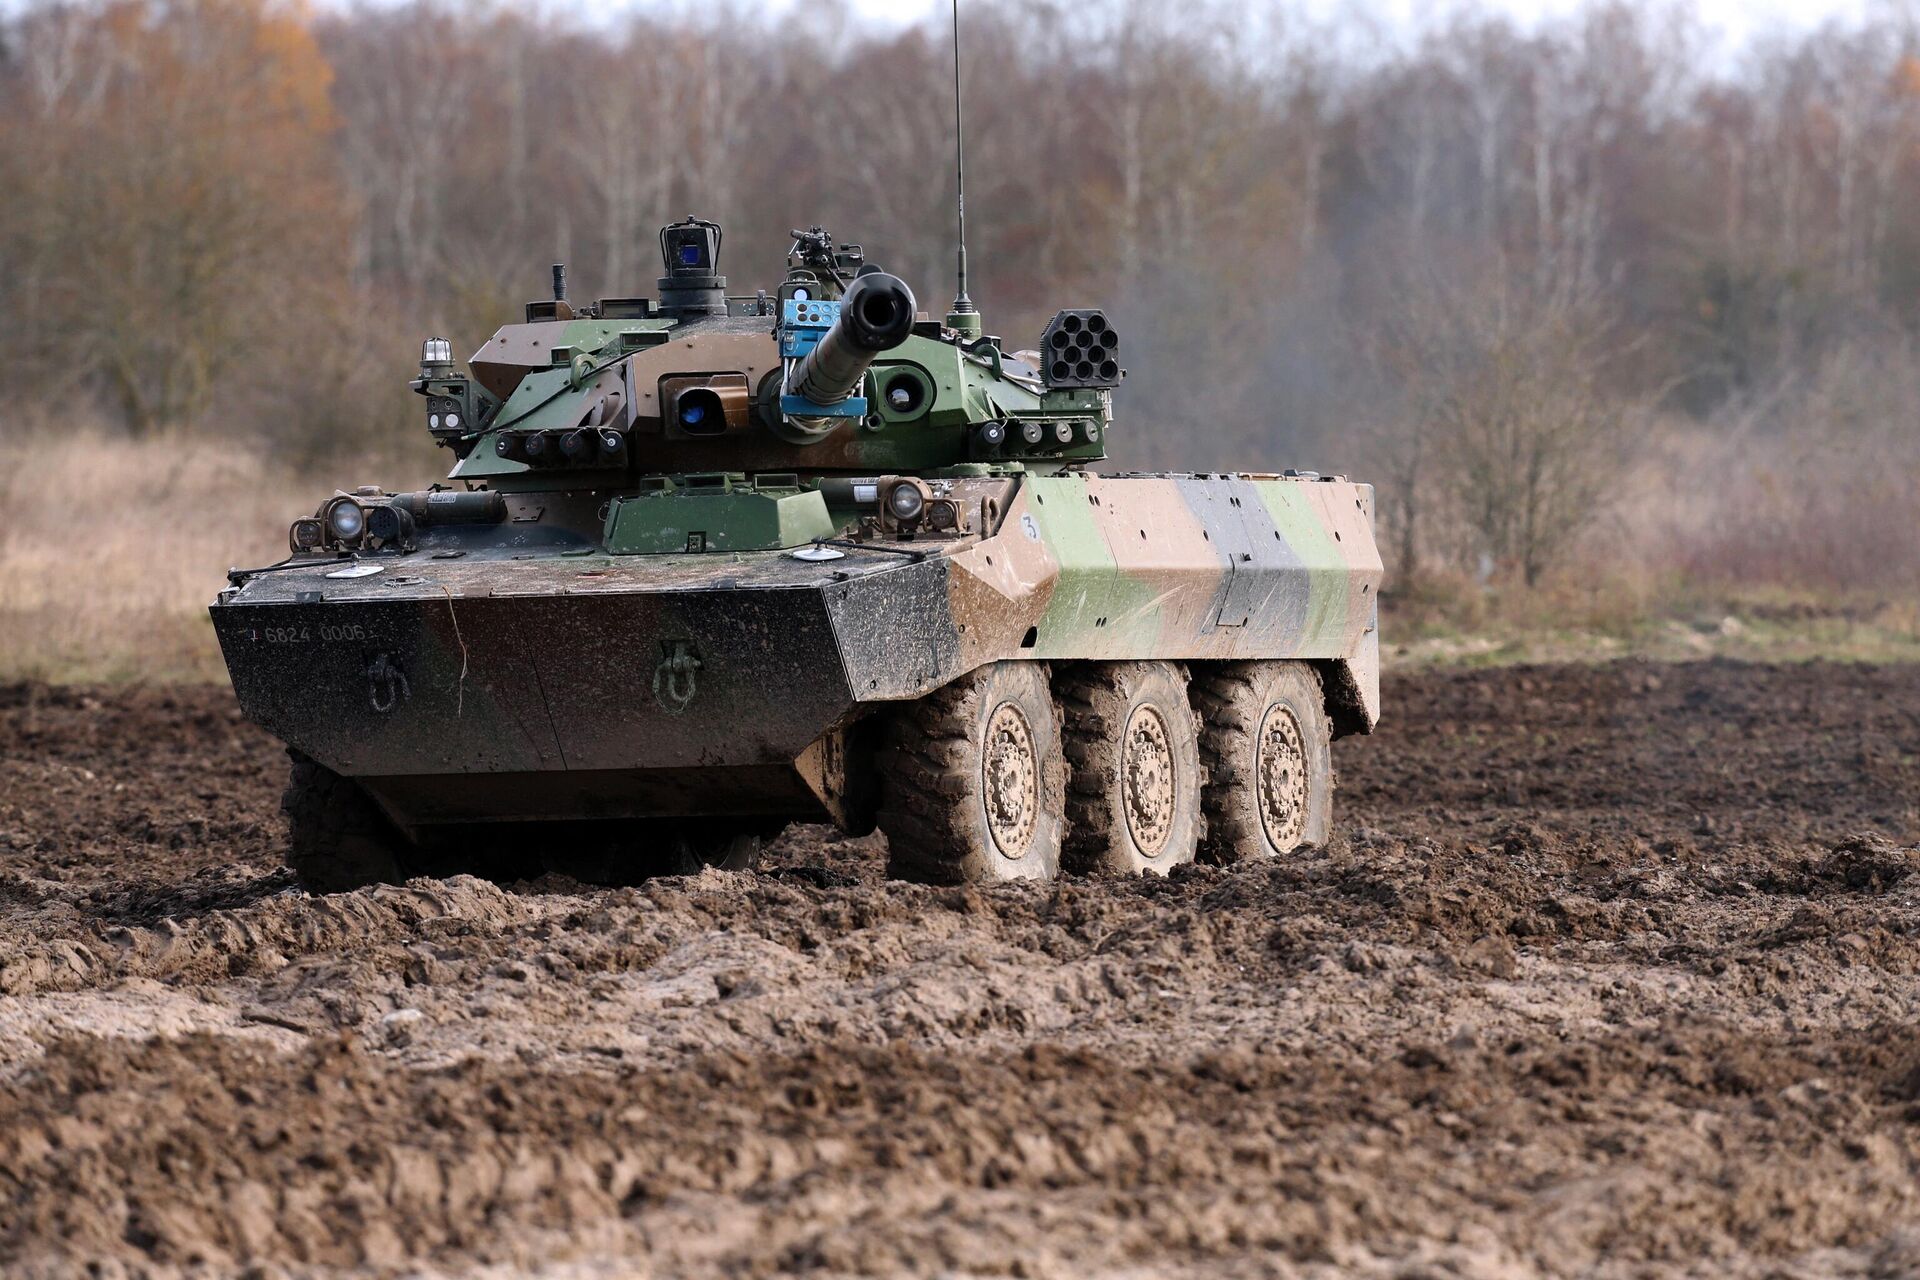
{"type": "Point", "coordinates": [875, 315]}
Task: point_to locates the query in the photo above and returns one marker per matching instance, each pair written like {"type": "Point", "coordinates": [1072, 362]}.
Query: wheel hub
{"type": "Point", "coordinates": [1281, 770]}
{"type": "Point", "coordinates": [1010, 777]}
{"type": "Point", "coordinates": [1146, 780]}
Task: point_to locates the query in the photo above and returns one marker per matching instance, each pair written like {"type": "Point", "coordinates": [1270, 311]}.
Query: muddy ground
{"type": "Point", "coordinates": [1612, 972]}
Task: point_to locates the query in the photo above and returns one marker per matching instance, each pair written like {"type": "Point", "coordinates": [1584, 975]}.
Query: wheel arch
{"type": "Point", "coordinates": [1352, 688]}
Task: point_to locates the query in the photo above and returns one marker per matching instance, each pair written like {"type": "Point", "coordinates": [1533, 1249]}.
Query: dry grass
{"type": "Point", "coordinates": [110, 549]}
{"type": "Point", "coordinates": [1760, 626]}
{"type": "Point", "coordinates": [1724, 541]}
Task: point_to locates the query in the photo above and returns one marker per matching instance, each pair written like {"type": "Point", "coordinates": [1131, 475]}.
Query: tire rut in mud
{"type": "Point", "coordinates": [1608, 964]}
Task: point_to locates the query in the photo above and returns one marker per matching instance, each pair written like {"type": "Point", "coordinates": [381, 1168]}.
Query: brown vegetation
{"type": "Point", "coordinates": [1592, 301]}
{"type": "Point", "coordinates": [110, 548]}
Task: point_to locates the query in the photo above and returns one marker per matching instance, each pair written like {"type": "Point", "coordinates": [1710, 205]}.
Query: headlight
{"type": "Point", "coordinates": [906, 502]}
{"type": "Point", "coordinates": [306, 535]}
{"type": "Point", "coordinates": [346, 520]}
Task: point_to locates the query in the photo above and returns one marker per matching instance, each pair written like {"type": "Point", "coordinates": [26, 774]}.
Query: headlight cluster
{"type": "Point", "coordinates": [348, 523]}
{"type": "Point", "coordinates": [444, 417]}
{"type": "Point", "coordinates": [909, 506]}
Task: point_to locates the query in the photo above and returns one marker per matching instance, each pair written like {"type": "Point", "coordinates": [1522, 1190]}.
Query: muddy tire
{"type": "Point", "coordinates": [1267, 746]}
{"type": "Point", "coordinates": [337, 837]}
{"type": "Point", "coordinates": [973, 780]}
{"type": "Point", "coordinates": [1134, 779]}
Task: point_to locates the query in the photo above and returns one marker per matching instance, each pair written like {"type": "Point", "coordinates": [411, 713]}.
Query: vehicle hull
{"type": "Point", "coordinates": [497, 687]}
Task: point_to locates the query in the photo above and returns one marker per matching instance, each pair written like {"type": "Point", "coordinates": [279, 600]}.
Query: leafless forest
{"type": "Point", "coordinates": [1601, 298]}
{"type": "Point", "coordinates": [1608, 969]}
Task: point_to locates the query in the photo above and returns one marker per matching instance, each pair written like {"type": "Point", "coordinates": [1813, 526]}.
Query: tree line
{"type": "Point", "coordinates": [1483, 265]}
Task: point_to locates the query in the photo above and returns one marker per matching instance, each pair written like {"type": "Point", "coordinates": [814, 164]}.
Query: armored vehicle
{"type": "Point", "coordinates": [708, 563]}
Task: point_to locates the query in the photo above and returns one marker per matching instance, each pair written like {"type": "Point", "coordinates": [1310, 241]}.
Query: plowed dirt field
{"type": "Point", "coordinates": [1613, 971]}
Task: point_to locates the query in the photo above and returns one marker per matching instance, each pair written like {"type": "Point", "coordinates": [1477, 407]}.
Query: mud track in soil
{"type": "Point", "coordinates": [1612, 972]}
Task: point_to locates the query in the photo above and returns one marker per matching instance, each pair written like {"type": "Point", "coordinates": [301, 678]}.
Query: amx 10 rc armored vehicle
{"type": "Point", "coordinates": [712, 563]}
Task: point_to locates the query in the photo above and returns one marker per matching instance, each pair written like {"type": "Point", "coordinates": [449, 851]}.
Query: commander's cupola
{"type": "Point", "coordinates": [692, 286]}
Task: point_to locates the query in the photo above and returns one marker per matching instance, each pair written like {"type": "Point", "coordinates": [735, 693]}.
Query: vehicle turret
{"type": "Point", "coordinates": [833, 371]}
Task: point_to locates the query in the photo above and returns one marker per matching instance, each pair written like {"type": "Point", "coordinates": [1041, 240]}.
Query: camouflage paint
{"type": "Point", "coordinates": [1187, 567]}
{"type": "Point", "coordinates": [521, 669]}
{"type": "Point", "coordinates": [517, 364]}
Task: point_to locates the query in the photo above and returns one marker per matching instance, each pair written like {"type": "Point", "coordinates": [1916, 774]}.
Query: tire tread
{"type": "Point", "coordinates": [337, 838]}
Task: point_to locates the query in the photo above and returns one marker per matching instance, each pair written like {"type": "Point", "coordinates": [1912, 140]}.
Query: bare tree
{"type": "Point", "coordinates": [1379, 256]}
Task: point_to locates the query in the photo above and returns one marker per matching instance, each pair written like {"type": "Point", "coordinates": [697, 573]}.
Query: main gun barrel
{"type": "Point", "coordinates": [875, 315]}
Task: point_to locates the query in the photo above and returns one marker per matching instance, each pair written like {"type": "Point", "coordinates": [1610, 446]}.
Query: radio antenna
{"type": "Point", "coordinates": [964, 316]}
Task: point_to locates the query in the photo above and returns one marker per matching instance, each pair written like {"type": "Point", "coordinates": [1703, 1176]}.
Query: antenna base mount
{"type": "Point", "coordinates": [964, 317]}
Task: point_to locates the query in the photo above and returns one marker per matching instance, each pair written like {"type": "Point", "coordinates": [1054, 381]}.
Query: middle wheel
{"type": "Point", "coordinates": [1133, 757]}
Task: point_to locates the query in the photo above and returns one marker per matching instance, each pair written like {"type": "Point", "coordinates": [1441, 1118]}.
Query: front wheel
{"type": "Point", "coordinates": [337, 837]}
{"type": "Point", "coordinates": [973, 780]}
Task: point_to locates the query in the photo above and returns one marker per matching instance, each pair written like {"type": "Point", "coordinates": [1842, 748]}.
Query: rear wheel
{"type": "Point", "coordinates": [1267, 746]}
{"type": "Point", "coordinates": [1133, 755]}
{"type": "Point", "coordinates": [973, 781]}
{"type": "Point", "coordinates": [337, 837]}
